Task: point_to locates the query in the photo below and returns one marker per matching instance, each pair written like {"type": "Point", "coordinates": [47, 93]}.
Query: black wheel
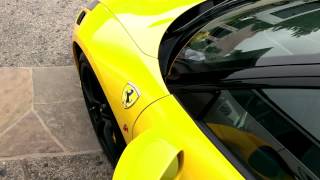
{"type": "Point", "coordinates": [101, 115]}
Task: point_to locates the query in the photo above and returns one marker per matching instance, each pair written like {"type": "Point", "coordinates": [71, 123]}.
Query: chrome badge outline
{"type": "Point", "coordinates": [126, 101]}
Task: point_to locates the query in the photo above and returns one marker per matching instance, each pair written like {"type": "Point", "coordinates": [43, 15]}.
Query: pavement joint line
{"type": "Point", "coordinates": [45, 127]}
{"type": "Point", "coordinates": [4, 67]}
{"type": "Point", "coordinates": [54, 138]}
{"type": "Point", "coordinates": [14, 124]}
{"type": "Point", "coordinates": [65, 66]}
{"type": "Point", "coordinates": [36, 67]}
{"type": "Point", "coordinates": [32, 88]}
{"type": "Point", "coordinates": [49, 155]}
{"type": "Point", "coordinates": [60, 102]}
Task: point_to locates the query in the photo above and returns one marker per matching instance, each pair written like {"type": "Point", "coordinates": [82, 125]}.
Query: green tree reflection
{"type": "Point", "coordinates": [301, 25]}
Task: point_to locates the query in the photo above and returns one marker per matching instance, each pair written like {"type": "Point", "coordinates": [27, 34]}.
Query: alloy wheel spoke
{"type": "Point", "coordinates": [92, 100]}
{"type": "Point", "coordinates": [105, 113]}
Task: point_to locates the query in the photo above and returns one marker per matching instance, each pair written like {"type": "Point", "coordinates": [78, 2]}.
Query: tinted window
{"type": "Point", "coordinates": [263, 33]}
{"type": "Point", "coordinates": [275, 132]}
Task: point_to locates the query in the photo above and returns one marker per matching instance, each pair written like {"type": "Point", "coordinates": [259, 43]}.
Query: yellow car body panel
{"type": "Point", "coordinates": [122, 52]}
{"type": "Point", "coordinates": [135, 165]}
{"type": "Point", "coordinates": [201, 160]}
{"type": "Point", "coordinates": [104, 41]}
{"type": "Point", "coordinates": [148, 20]}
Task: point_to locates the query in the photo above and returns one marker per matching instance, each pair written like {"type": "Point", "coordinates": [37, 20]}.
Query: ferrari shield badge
{"type": "Point", "coordinates": [130, 95]}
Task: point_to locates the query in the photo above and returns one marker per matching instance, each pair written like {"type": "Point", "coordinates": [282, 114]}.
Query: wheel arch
{"type": "Point", "coordinates": [117, 61]}
{"type": "Point", "coordinates": [76, 53]}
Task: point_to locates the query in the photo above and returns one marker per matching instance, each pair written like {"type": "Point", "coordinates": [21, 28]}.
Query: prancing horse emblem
{"type": "Point", "coordinates": [130, 95]}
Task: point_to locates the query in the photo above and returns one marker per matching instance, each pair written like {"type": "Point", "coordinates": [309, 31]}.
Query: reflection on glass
{"type": "Point", "coordinates": [267, 130]}
{"type": "Point", "coordinates": [248, 37]}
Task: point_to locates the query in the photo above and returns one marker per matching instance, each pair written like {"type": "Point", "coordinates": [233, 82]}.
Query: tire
{"type": "Point", "coordinates": [101, 115]}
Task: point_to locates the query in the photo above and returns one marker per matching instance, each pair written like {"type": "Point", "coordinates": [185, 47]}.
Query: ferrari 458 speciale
{"type": "Point", "coordinates": [193, 89]}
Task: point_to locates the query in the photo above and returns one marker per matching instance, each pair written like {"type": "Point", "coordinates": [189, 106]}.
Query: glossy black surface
{"type": "Point", "coordinates": [293, 42]}
{"type": "Point", "coordinates": [185, 26]}
{"type": "Point", "coordinates": [271, 131]}
{"type": "Point", "coordinates": [250, 81]}
{"type": "Point", "coordinates": [292, 75]}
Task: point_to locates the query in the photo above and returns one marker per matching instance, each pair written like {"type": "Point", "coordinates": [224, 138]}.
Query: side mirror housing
{"type": "Point", "coordinates": [148, 157]}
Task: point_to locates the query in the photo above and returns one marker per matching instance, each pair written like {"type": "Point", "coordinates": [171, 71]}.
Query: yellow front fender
{"type": "Point", "coordinates": [117, 61]}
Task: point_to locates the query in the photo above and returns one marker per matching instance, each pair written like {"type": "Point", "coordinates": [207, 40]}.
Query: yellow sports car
{"type": "Point", "coordinates": [193, 89]}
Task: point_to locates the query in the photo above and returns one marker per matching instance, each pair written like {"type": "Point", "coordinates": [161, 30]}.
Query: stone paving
{"type": "Point", "coordinates": [43, 115]}
{"type": "Point", "coordinates": [45, 131]}
{"type": "Point", "coordinates": [37, 32]}
{"type": "Point", "coordinates": [90, 165]}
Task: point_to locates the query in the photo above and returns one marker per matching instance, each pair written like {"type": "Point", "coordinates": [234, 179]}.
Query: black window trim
{"type": "Point", "coordinates": [241, 167]}
{"type": "Point", "coordinates": [237, 164]}
{"type": "Point", "coordinates": [176, 37]}
{"type": "Point", "coordinates": [286, 116]}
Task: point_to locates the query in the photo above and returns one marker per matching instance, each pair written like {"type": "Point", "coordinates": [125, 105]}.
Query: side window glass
{"type": "Point", "coordinates": [273, 131]}
{"type": "Point", "coordinates": [254, 35]}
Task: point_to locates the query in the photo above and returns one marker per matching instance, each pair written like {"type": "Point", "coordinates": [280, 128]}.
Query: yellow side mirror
{"type": "Point", "coordinates": [148, 157]}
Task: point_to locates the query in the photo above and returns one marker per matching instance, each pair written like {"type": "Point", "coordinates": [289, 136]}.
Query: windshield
{"type": "Point", "coordinates": [263, 33]}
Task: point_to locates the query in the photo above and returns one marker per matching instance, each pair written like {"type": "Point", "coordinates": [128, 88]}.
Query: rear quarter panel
{"type": "Point", "coordinates": [201, 159]}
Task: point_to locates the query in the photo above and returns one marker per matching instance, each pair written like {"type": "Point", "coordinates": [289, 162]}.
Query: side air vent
{"type": "Point", "coordinates": [81, 16]}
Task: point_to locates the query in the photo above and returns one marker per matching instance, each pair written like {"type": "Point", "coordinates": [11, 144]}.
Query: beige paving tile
{"type": "Point", "coordinates": [56, 84]}
{"type": "Point", "coordinates": [15, 95]}
{"type": "Point", "coordinates": [27, 137]}
{"type": "Point", "coordinates": [69, 123]}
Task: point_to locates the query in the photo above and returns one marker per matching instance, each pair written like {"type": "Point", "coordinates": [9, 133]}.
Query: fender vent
{"type": "Point", "coordinates": [81, 16]}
